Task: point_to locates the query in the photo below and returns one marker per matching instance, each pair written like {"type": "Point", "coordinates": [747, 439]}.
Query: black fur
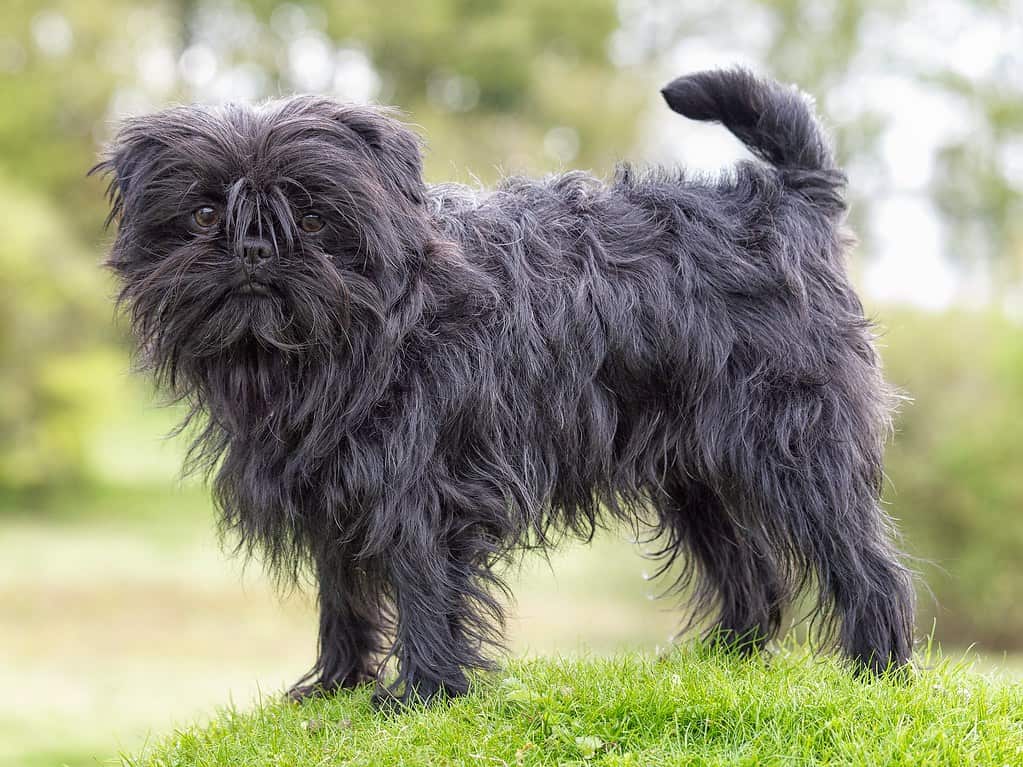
{"type": "Point", "coordinates": [443, 376]}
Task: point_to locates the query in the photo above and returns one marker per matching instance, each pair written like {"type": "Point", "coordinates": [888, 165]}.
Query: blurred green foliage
{"type": "Point", "coordinates": [54, 367]}
{"type": "Point", "coordinates": [955, 468]}
{"type": "Point", "coordinates": [506, 86]}
{"type": "Point", "coordinates": [528, 65]}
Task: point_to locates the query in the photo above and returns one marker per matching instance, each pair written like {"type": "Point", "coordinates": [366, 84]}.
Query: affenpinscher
{"type": "Point", "coordinates": [397, 385]}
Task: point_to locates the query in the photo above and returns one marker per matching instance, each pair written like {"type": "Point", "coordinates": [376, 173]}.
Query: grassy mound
{"type": "Point", "coordinates": [695, 708]}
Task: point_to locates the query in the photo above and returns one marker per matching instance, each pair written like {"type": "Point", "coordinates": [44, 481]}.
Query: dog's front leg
{"type": "Point", "coordinates": [349, 628]}
{"type": "Point", "coordinates": [446, 615]}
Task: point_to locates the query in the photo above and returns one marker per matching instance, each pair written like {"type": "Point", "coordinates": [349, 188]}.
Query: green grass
{"type": "Point", "coordinates": [696, 707]}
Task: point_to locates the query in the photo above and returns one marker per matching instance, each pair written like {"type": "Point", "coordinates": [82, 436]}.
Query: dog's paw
{"type": "Point", "coordinates": [420, 692]}
{"type": "Point", "coordinates": [302, 692]}
{"type": "Point", "coordinates": [323, 688]}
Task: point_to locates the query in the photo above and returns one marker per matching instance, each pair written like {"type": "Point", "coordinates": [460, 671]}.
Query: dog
{"type": "Point", "coordinates": [395, 386]}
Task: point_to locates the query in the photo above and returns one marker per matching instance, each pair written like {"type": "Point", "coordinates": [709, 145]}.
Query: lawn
{"type": "Point", "coordinates": [694, 708]}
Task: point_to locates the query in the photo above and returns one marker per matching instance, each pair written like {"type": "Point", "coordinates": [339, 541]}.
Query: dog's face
{"type": "Point", "coordinates": [272, 228]}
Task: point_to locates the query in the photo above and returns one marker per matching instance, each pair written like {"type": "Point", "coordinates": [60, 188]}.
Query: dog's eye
{"type": "Point", "coordinates": [311, 222]}
{"type": "Point", "coordinates": [206, 216]}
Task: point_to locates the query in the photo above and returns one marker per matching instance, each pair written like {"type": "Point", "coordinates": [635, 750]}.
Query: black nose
{"type": "Point", "coordinates": [254, 252]}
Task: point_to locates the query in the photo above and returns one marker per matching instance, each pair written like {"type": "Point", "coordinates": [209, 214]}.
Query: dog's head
{"type": "Point", "coordinates": [273, 228]}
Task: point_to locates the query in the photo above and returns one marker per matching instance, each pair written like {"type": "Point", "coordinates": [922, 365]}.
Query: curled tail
{"type": "Point", "coordinates": [776, 122]}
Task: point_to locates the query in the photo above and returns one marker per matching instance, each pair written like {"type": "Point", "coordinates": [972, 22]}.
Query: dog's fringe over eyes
{"type": "Point", "coordinates": [439, 377]}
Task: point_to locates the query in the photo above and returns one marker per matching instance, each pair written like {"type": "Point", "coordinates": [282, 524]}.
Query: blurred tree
{"type": "Point", "coordinates": [528, 85]}
{"type": "Point", "coordinates": [507, 79]}
{"type": "Point", "coordinates": [58, 73]}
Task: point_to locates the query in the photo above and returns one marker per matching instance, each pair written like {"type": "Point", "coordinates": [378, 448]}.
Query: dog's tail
{"type": "Point", "coordinates": [776, 122]}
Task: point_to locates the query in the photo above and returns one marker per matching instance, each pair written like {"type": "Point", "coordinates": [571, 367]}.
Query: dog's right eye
{"type": "Point", "coordinates": [311, 223]}
{"type": "Point", "coordinates": [206, 216]}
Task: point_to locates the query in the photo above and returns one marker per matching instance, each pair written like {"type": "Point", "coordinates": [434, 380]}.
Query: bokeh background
{"type": "Point", "coordinates": [119, 613]}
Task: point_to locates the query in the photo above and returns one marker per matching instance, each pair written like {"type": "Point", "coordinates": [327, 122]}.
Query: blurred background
{"type": "Point", "coordinates": [119, 613]}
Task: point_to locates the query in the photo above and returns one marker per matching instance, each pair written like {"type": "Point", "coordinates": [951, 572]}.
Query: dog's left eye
{"type": "Point", "coordinates": [311, 222]}
{"type": "Point", "coordinates": [206, 216]}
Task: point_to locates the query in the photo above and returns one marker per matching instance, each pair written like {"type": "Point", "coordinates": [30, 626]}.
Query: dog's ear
{"type": "Point", "coordinates": [396, 149]}
{"type": "Point", "coordinates": [125, 162]}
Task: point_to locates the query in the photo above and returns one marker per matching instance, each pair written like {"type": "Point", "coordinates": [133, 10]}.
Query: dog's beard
{"type": "Point", "coordinates": [191, 308]}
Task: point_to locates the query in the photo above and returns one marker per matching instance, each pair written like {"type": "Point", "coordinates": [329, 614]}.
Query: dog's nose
{"type": "Point", "coordinates": [254, 252]}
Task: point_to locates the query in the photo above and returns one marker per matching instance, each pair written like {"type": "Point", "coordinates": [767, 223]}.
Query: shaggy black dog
{"type": "Point", "coordinates": [397, 385]}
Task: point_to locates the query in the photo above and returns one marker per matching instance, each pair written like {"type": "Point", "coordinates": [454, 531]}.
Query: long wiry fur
{"type": "Point", "coordinates": [442, 376]}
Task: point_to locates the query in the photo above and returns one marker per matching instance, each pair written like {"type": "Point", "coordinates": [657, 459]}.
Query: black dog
{"type": "Point", "coordinates": [397, 385]}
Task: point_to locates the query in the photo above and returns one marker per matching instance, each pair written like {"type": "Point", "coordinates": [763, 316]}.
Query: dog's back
{"type": "Point", "coordinates": [624, 307]}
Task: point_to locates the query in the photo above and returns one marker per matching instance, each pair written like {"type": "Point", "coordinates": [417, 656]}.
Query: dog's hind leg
{"type": "Point", "coordinates": [729, 572]}
{"type": "Point", "coordinates": [857, 568]}
{"type": "Point", "coordinates": [805, 467]}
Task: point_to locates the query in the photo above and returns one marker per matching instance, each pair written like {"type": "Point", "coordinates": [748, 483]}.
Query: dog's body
{"type": "Point", "coordinates": [436, 377]}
